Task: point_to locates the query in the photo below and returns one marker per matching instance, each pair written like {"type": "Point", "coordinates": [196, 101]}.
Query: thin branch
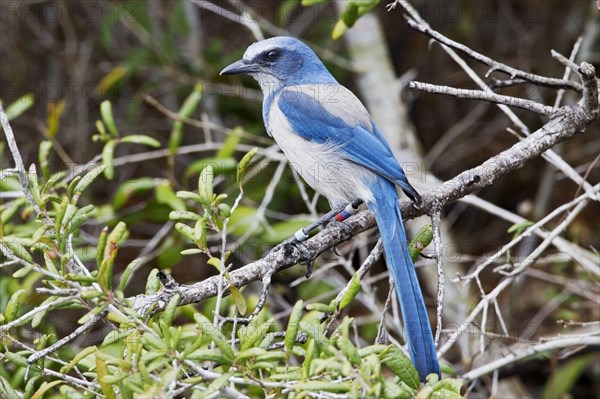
{"type": "Point", "coordinates": [436, 223]}
{"type": "Point", "coordinates": [41, 308]}
{"type": "Point", "coordinates": [485, 96]}
{"type": "Point", "coordinates": [567, 72]}
{"type": "Point", "coordinates": [20, 166]}
{"type": "Point", "coordinates": [65, 340]}
{"type": "Point", "coordinates": [520, 352]}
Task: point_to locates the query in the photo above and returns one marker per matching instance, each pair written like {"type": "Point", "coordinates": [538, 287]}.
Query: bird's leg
{"type": "Point", "coordinates": [338, 216]}
{"type": "Point", "coordinates": [343, 214]}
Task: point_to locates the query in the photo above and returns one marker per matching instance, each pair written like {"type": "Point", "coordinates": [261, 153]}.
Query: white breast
{"type": "Point", "coordinates": [321, 166]}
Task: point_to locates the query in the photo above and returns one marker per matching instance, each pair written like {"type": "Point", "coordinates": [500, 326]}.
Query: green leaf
{"type": "Point", "coordinates": [421, 240]}
{"type": "Point", "coordinates": [254, 332]}
{"type": "Point", "coordinates": [171, 310]}
{"type": "Point", "coordinates": [108, 157]}
{"type": "Point", "coordinates": [18, 249]}
{"type": "Point", "coordinates": [153, 283]}
{"type": "Point", "coordinates": [307, 3]}
{"type": "Point", "coordinates": [24, 271]}
{"type": "Point", "coordinates": [107, 117]}
{"type": "Point", "coordinates": [187, 109]}
{"type": "Point", "coordinates": [400, 364]}
{"type": "Point", "coordinates": [338, 30]}
{"type": "Point", "coordinates": [16, 359]}
{"type": "Point", "coordinates": [37, 319]}
{"type": "Point", "coordinates": [293, 327]}
{"type": "Point", "coordinates": [188, 195]}
{"type": "Point", "coordinates": [13, 304]}
{"type": "Point", "coordinates": [251, 353]}
{"type": "Point", "coordinates": [115, 238]}
{"type": "Point", "coordinates": [216, 262]}
{"type": "Point", "coordinates": [518, 228]}
{"type": "Point", "coordinates": [80, 217]}
{"type": "Point", "coordinates": [397, 391]}
{"type": "Point", "coordinates": [102, 239]}
{"type": "Point", "coordinates": [350, 14]}
{"type": "Point", "coordinates": [243, 165]}
{"type": "Point", "coordinates": [348, 349]}
{"type": "Point", "coordinates": [221, 166]}
{"type": "Point", "coordinates": [78, 357]}
{"type": "Point", "coordinates": [184, 215]}
{"type": "Point", "coordinates": [214, 334]}
{"type": "Point", "coordinates": [191, 251]}
{"type": "Point", "coordinates": [131, 188]}
{"type": "Point", "coordinates": [321, 307]}
{"type": "Point", "coordinates": [50, 264]}
{"type": "Point", "coordinates": [185, 231]}
{"type": "Point", "coordinates": [165, 195]}
{"type": "Point", "coordinates": [205, 185]}
{"type": "Point", "coordinates": [19, 106]}
{"type": "Point", "coordinates": [141, 139]}
{"type": "Point", "coordinates": [315, 386]}
{"type": "Point", "coordinates": [230, 144]}
{"type": "Point", "coordinates": [238, 298]}
{"type": "Point", "coordinates": [208, 355]}
{"type": "Point", "coordinates": [45, 387]}
{"type": "Point", "coordinates": [350, 294]}
{"type": "Point", "coordinates": [105, 271]}
{"type": "Point", "coordinates": [129, 270]}
{"type": "Point", "coordinates": [6, 389]}
{"type": "Point", "coordinates": [103, 374]}
{"type": "Point", "coordinates": [564, 377]}
{"type": "Point", "coordinates": [217, 384]}
{"type": "Point", "coordinates": [43, 155]}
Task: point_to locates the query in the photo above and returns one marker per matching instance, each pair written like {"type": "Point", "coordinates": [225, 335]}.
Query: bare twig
{"type": "Point", "coordinates": [485, 96]}
{"type": "Point", "coordinates": [520, 352]}
{"type": "Point", "coordinates": [567, 72]}
{"type": "Point", "coordinates": [65, 340]}
{"type": "Point", "coordinates": [41, 308]}
{"type": "Point", "coordinates": [436, 222]}
{"type": "Point", "coordinates": [20, 167]}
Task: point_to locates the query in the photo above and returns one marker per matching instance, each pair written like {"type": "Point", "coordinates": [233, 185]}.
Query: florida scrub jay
{"type": "Point", "coordinates": [329, 137]}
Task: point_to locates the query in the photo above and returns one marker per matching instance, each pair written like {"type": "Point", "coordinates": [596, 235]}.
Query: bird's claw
{"type": "Point", "coordinates": [306, 256]}
{"type": "Point", "coordinates": [346, 229]}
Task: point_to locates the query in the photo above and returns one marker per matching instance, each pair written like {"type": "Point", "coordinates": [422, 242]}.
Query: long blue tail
{"type": "Point", "coordinates": [419, 338]}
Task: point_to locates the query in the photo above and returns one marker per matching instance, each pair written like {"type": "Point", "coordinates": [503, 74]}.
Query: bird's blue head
{"type": "Point", "coordinates": [280, 61]}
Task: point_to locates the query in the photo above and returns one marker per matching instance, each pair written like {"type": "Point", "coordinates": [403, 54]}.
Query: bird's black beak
{"type": "Point", "coordinates": [241, 66]}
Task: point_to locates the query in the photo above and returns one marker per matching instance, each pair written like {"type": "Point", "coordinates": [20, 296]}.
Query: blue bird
{"type": "Point", "coordinates": [330, 139]}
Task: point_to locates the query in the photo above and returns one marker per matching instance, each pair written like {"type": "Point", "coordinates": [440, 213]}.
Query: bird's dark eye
{"type": "Point", "coordinates": [272, 55]}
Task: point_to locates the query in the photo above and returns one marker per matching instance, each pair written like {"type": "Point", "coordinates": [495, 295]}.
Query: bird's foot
{"type": "Point", "coordinates": [346, 232]}
{"type": "Point", "coordinates": [306, 256]}
{"type": "Point", "coordinates": [345, 228]}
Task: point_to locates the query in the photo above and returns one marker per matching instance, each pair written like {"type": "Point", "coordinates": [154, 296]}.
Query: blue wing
{"type": "Point", "coordinates": [359, 140]}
